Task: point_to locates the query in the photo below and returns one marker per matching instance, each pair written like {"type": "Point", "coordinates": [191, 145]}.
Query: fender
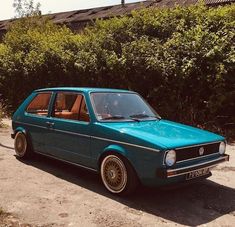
{"type": "Point", "coordinates": [18, 129]}
{"type": "Point", "coordinates": [116, 148]}
{"type": "Point", "coordinates": [113, 148]}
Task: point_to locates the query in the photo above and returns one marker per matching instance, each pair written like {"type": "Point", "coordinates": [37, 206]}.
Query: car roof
{"type": "Point", "coordinates": [83, 89]}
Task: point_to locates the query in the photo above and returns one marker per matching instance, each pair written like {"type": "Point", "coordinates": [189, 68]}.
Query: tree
{"type": "Point", "coordinates": [182, 60]}
{"type": "Point", "coordinates": [26, 8]}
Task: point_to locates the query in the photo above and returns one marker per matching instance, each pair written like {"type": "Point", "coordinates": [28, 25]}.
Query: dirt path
{"type": "Point", "coordinates": [44, 192]}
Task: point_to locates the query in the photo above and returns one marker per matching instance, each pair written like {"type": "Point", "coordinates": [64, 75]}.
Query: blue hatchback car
{"type": "Point", "coordinates": [115, 133]}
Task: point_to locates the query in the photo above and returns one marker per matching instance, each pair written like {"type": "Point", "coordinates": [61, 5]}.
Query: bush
{"type": "Point", "coordinates": [181, 60]}
{"type": "Point", "coordinates": [35, 53]}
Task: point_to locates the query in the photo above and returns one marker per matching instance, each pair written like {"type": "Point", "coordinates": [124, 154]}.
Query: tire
{"type": "Point", "coordinates": [21, 145]}
{"type": "Point", "coordinates": [117, 174]}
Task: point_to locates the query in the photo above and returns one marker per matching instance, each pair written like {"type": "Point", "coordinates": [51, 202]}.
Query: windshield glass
{"type": "Point", "coordinates": [121, 106]}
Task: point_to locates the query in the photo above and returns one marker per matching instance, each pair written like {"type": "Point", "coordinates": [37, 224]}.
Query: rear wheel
{"type": "Point", "coordinates": [21, 145]}
{"type": "Point", "coordinates": [118, 175]}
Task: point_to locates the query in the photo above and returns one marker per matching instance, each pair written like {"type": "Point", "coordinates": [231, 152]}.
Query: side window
{"type": "Point", "coordinates": [68, 106]}
{"type": "Point", "coordinates": [40, 104]}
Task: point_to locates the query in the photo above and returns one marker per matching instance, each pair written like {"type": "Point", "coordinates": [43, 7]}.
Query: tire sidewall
{"type": "Point", "coordinates": [22, 136]}
{"type": "Point", "coordinates": [132, 179]}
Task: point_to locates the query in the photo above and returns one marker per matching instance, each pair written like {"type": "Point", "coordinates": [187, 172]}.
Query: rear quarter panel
{"type": "Point", "coordinates": [19, 115]}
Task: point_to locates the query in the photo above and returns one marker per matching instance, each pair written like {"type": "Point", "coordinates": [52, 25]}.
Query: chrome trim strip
{"type": "Point", "coordinates": [192, 166]}
{"type": "Point", "coordinates": [23, 123]}
{"type": "Point", "coordinates": [197, 145]}
{"type": "Point", "coordinates": [200, 157]}
{"type": "Point", "coordinates": [179, 174]}
{"type": "Point", "coordinates": [35, 115]}
{"type": "Point", "coordinates": [72, 133]}
{"type": "Point", "coordinates": [72, 163]}
{"type": "Point", "coordinates": [129, 144]}
{"type": "Point", "coordinates": [93, 137]}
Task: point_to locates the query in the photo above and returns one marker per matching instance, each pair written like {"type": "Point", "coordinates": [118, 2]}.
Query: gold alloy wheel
{"type": "Point", "coordinates": [114, 174]}
{"type": "Point", "coordinates": [20, 144]}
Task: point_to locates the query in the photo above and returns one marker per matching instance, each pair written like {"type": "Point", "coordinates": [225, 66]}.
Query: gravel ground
{"type": "Point", "coordinates": [45, 192]}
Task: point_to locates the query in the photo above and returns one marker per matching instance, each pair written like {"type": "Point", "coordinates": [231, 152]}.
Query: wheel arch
{"type": "Point", "coordinates": [20, 129]}
{"type": "Point", "coordinates": [26, 133]}
{"type": "Point", "coordinates": [118, 150]}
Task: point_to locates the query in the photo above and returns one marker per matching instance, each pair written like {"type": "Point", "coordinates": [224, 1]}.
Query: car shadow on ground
{"type": "Point", "coordinates": [196, 204]}
{"type": "Point", "coordinates": [4, 146]}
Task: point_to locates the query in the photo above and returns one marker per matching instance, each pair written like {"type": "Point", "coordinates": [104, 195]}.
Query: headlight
{"type": "Point", "coordinates": [222, 148]}
{"type": "Point", "coordinates": [170, 158]}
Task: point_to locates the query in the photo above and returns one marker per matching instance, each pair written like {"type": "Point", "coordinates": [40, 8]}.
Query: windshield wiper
{"type": "Point", "coordinates": [118, 117]}
{"type": "Point", "coordinates": [143, 116]}
{"type": "Point", "coordinates": [114, 117]}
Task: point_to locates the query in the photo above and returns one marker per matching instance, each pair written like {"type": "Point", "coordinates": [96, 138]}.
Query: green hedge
{"type": "Point", "coordinates": [181, 60]}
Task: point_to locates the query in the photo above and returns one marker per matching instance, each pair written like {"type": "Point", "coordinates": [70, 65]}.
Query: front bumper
{"type": "Point", "coordinates": [170, 173]}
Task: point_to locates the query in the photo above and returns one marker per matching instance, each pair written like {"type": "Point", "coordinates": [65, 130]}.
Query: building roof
{"type": "Point", "coordinates": [78, 19]}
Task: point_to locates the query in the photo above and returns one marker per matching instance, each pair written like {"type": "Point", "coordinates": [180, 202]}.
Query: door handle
{"type": "Point", "coordinates": [50, 124]}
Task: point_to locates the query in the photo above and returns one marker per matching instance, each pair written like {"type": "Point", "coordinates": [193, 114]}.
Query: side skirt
{"type": "Point", "coordinates": [65, 161]}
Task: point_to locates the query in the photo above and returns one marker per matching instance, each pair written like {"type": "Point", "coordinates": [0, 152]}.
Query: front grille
{"type": "Point", "coordinates": [193, 152]}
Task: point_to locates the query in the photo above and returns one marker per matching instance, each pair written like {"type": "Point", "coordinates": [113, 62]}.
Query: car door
{"type": "Point", "coordinates": [69, 132]}
{"type": "Point", "coordinates": [35, 120]}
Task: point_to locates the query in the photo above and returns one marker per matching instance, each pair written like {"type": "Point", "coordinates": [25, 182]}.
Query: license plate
{"type": "Point", "coordinates": [197, 173]}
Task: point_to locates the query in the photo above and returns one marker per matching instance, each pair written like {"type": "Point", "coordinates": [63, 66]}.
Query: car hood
{"type": "Point", "coordinates": [163, 133]}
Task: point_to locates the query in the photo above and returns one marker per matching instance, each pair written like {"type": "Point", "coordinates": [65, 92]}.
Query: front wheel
{"type": "Point", "coordinates": [21, 145]}
{"type": "Point", "coordinates": [118, 175]}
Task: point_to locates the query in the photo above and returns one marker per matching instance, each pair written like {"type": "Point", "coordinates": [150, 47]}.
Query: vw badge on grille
{"type": "Point", "coordinates": [201, 151]}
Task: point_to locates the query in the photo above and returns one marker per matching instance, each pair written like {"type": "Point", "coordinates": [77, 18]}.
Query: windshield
{"type": "Point", "coordinates": [121, 106]}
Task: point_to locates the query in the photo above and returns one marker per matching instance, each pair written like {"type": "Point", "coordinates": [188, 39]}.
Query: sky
{"type": "Point", "coordinates": [54, 6]}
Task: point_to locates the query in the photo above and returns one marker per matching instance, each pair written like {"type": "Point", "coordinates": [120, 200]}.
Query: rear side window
{"type": "Point", "coordinates": [70, 106]}
{"type": "Point", "coordinates": [40, 104]}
